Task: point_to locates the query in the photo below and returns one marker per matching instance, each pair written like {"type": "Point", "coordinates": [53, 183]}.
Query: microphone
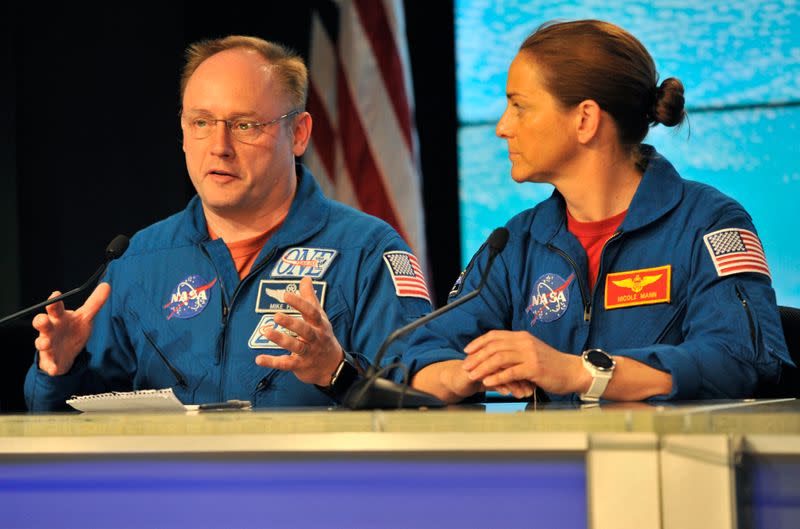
{"type": "Point", "coordinates": [374, 392]}
{"type": "Point", "coordinates": [114, 250]}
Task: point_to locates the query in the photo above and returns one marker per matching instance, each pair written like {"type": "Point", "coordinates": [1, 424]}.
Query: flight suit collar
{"type": "Point", "coordinates": [307, 215]}
{"type": "Point", "coordinates": [659, 192]}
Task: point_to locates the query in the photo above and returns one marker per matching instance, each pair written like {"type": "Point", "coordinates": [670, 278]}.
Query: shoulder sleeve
{"type": "Point", "coordinates": [731, 332]}
{"type": "Point", "coordinates": [444, 338]}
{"type": "Point", "coordinates": [392, 292]}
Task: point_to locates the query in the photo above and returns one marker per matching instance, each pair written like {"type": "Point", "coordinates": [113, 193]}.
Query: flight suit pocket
{"type": "Point", "coordinates": [750, 328]}
{"type": "Point", "coordinates": [164, 359]}
{"type": "Point", "coordinates": [672, 333]}
{"type": "Point", "coordinates": [278, 388]}
{"type": "Point", "coordinates": [340, 316]}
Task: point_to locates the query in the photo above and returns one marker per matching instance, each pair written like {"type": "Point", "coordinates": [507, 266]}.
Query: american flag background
{"type": "Point", "coordinates": [406, 275]}
{"type": "Point", "coordinates": [735, 250]}
{"type": "Point", "coordinates": [364, 147]}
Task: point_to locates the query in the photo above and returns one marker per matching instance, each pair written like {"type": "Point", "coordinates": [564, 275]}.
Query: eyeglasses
{"type": "Point", "coordinates": [243, 130]}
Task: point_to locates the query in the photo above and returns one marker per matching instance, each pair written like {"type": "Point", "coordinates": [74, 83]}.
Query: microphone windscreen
{"type": "Point", "coordinates": [117, 247]}
{"type": "Point", "coordinates": [498, 239]}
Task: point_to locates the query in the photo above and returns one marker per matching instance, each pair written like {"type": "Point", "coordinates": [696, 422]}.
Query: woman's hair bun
{"type": "Point", "coordinates": [668, 105]}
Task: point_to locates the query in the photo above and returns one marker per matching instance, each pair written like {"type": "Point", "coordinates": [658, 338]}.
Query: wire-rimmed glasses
{"type": "Point", "coordinates": [243, 130]}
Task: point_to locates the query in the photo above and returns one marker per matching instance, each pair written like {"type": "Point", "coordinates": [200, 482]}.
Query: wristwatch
{"type": "Point", "coordinates": [601, 366]}
{"type": "Point", "coordinates": [342, 378]}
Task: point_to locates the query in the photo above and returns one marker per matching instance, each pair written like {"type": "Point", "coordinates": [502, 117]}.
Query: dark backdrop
{"type": "Point", "coordinates": [89, 136]}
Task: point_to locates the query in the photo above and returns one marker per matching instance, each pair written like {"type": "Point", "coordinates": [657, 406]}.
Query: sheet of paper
{"type": "Point", "coordinates": [143, 400]}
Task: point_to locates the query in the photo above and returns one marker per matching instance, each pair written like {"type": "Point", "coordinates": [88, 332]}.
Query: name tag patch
{"type": "Point", "coordinates": [638, 287]}
{"type": "Point", "coordinates": [258, 340]}
{"type": "Point", "coordinates": [271, 294]}
{"type": "Point", "coordinates": [304, 262]}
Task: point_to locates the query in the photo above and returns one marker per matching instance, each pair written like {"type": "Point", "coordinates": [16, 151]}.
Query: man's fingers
{"type": "Point", "coordinates": [42, 343]}
{"type": "Point", "coordinates": [42, 323]}
{"type": "Point", "coordinates": [307, 291]}
{"type": "Point", "coordinates": [95, 301]}
{"type": "Point", "coordinates": [56, 310]}
{"type": "Point", "coordinates": [296, 325]}
{"type": "Point", "coordinates": [47, 363]}
{"type": "Point", "coordinates": [303, 306]}
{"type": "Point", "coordinates": [306, 302]}
{"type": "Point", "coordinates": [282, 362]}
{"type": "Point", "coordinates": [309, 311]}
{"type": "Point", "coordinates": [48, 367]}
{"type": "Point", "coordinates": [284, 341]}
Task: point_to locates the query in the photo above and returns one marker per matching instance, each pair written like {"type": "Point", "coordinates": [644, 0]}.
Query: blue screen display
{"type": "Point", "coordinates": [161, 491]}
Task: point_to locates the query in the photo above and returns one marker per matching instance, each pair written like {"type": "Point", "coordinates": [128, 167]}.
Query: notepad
{"type": "Point", "coordinates": [142, 400]}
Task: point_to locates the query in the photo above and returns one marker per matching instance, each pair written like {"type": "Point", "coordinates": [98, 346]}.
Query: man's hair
{"type": "Point", "coordinates": [288, 66]}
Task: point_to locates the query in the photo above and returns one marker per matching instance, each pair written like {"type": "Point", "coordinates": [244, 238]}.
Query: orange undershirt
{"type": "Point", "coordinates": [593, 236]}
{"type": "Point", "coordinates": [244, 252]}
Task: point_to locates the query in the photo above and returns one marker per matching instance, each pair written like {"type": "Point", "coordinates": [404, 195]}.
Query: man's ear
{"type": "Point", "coordinates": [301, 133]}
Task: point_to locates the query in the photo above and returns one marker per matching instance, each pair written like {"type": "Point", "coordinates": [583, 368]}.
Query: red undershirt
{"type": "Point", "coordinates": [244, 252]}
{"type": "Point", "coordinates": [593, 236]}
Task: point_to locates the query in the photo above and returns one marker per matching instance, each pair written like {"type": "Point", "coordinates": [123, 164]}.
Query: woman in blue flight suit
{"type": "Point", "coordinates": [629, 282]}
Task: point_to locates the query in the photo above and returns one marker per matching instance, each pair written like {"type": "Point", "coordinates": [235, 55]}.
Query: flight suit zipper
{"type": "Point", "coordinates": [602, 254]}
{"type": "Point", "coordinates": [220, 355]}
{"type": "Point", "coordinates": [586, 299]}
{"type": "Point", "coordinates": [587, 305]}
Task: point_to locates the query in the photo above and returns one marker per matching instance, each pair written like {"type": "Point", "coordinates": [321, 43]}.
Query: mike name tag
{"type": "Point", "coordinates": [271, 294]}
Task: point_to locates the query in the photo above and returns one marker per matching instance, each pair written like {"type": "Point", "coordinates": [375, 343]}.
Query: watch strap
{"type": "Point", "coordinates": [345, 374]}
{"type": "Point", "coordinates": [601, 376]}
{"type": "Point", "coordinates": [600, 380]}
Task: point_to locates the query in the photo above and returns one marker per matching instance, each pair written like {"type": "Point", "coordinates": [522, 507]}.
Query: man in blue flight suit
{"type": "Point", "coordinates": [259, 287]}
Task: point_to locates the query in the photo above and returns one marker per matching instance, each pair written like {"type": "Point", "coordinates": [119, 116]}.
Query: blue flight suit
{"type": "Point", "coordinates": [717, 335]}
{"type": "Point", "coordinates": [179, 316]}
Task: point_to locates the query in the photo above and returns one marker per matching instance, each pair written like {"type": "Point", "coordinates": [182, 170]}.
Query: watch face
{"type": "Point", "coordinates": [599, 359]}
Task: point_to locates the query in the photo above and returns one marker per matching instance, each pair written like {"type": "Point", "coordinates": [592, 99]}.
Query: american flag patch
{"type": "Point", "coordinates": [734, 250]}
{"type": "Point", "coordinates": [406, 275]}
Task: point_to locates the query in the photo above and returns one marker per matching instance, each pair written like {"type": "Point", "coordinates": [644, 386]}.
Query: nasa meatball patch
{"type": "Point", "coordinates": [549, 299]}
{"type": "Point", "coordinates": [189, 298]}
